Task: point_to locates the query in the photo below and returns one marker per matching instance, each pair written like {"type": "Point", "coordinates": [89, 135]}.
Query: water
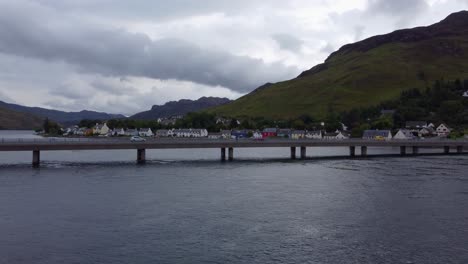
{"type": "Point", "coordinates": [187, 207]}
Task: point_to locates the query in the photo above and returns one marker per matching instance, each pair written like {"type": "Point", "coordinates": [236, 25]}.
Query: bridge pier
{"type": "Point", "coordinates": [231, 154]}
{"type": "Point", "coordinates": [352, 151]}
{"type": "Point", "coordinates": [141, 156]}
{"type": "Point", "coordinates": [303, 152]}
{"type": "Point", "coordinates": [402, 150]}
{"type": "Point", "coordinates": [459, 149]}
{"type": "Point", "coordinates": [293, 153]}
{"type": "Point", "coordinates": [36, 159]}
{"type": "Point", "coordinates": [364, 151]}
{"type": "Point", "coordinates": [415, 150]}
{"type": "Point", "coordinates": [223, 154]}
{"type": "Point", "coordinates": [446, 150]}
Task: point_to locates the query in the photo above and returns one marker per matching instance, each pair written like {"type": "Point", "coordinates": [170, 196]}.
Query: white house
{"type": "Point", "coordinates": [257, 135]}
{"type": "Point", "coordinates": [465, 94]}
{"type": "Point", "coordinates": [338, 135]}
{"type": "Point", "coordinates": [164, 133]}
{"type": "Point", "coordinates": [145, 132]}
{"type": "Point", "coordinates": [101, 129]}
{"type": "Point", "coordinates": [443, 130]}
{"type": "Point", "coordinates": [118, 132]}
{"type": "Point", "coordinates": [314, 134]}
{"type": "Point", "coordinates": [131, 132]}
{"type": "Point", "coordinates": [404, 134]}
{"type": "Point", "coordinates": [190, 132]}
{"type": "Point", "coordinates": [427, 131]}
{"type": "Point", "coordinates": [377, 134]}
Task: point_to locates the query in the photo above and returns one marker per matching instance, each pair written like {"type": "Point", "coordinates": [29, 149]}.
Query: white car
{"type": "Point", "coordinates": [137, 139]}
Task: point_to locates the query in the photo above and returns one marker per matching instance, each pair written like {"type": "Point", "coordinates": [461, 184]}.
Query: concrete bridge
{"type": "Point", "coordinates": [227, 146]}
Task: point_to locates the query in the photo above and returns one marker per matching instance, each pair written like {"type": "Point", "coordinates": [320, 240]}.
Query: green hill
{"type": "Point", "coordinates": [10, 119]}
{"type": "Point", "coordinates": [365, 73]}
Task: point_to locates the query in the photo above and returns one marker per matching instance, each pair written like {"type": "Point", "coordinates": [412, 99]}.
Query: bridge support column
{"type": "Point", "coordinates": [364, 151]}
{"type": "Point", "coordinates": [141, 156]}
{"type": "Point", "coordinates": [415, 150]}
{"type": "Point", "coordinates": [223, 154]}
{"type": "Point", "coordinates": [303, 152]}
{"type": "Point", "coordinates": [459, 149]}
{"type": "Point", "coordinates": [446, 150]}
{"type": "Point", "coordinates": [293, 152]}
{"type": "Point", "coordinates": [352, 151]}
{"type": "Point", "coordinates": [36, 159]}
{"type": "Point", "coordinates": [231, 154]}
{"type": "Point", "coordinates": [402, 150]}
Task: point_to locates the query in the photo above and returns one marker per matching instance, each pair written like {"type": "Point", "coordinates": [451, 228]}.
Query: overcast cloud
{"type": "Point", "coordinates": [124, 56]}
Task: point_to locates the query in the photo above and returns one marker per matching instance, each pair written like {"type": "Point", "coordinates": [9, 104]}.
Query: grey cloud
{"type": "Point", "coordinates": [328, 48]}
{"type": "Point", "coordinates": [288, 42]}
{"type": "Point", "coordinates": [403, 10]}
{"type": "Point", "coordinates": [358, 32]}
{"type": "Point", "coordinates": [116, 52]}
{"type": "Point", "coordinates": [157, 9]}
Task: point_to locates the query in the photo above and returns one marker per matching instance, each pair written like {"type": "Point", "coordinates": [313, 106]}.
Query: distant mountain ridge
{"type": "Point", "coordinates": [64, 118]}
{"type": "Point", "coordinates": [181, 107]}
{"type": "Point", "coordinates": [365, 73]}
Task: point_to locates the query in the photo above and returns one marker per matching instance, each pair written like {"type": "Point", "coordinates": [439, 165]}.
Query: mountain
{"type": "Point", "coordinates": [181, 107]}
{"type": "Point", "coordinates": [10, 119]}
{"type": "Point", "coordinates": [365, 73]}
{"type": "Point", "coordinates": [64, 118]}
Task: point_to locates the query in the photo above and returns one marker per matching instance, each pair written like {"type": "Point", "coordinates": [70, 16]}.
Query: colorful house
{"type": "Point", "coordinates": [269, 132]}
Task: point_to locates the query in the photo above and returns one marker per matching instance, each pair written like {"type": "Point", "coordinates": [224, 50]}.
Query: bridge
{"type": "Point", "coordinates": [226, 146]}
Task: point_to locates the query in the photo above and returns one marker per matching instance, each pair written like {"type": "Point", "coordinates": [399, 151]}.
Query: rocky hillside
{"type": "Point", "coordinates": [365, 73]}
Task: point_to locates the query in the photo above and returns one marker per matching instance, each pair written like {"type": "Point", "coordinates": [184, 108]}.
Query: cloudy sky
{"type": "Point", "coordinates": [123, 56]}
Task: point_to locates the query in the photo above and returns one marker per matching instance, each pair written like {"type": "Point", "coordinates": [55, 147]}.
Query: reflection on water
{"type": "Point", "coordinates": [187, 207]}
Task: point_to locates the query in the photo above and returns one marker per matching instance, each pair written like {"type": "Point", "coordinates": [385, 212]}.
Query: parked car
{"type": "Point", "coordinates": [137, 139]}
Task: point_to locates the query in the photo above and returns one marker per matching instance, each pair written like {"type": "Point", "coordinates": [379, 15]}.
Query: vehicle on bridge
{"type": "Point", "coordinates": [137, 139]}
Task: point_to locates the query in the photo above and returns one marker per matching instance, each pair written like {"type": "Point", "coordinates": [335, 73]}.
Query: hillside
{"type": "Point", "coordinates": [365, 73]}
{"type": "Point", "coordinates": [65, 118]}
{"type": "Point", "coordinates": [180, 107]}
{"type": "Point", "coordinates": [16, 120]}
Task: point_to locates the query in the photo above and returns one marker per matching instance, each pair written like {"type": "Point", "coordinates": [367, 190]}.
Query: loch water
{"type": "Point", "coordinates": [185, 206]}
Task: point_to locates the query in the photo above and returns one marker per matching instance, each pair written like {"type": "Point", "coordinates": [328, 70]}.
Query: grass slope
{"type": "Point", "coordinates": [357, 77]}
{"type": "Point", "coordinates": [15, 120]}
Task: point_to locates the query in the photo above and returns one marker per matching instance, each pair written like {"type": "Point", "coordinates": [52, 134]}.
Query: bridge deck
{"type": "Point", "coordinates": [111, 144]}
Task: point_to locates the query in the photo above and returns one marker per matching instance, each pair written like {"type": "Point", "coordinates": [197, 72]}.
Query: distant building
{"type": "Point", "coordinates": [284, 132]}
{"type": "Point", "coordinates": [317, 134]}
{"type": "Point", "coordinates": [297, 134]}
{"type": "Point", "coordinates": [226, 134]}
{"type": "Point", "coordinates": [443, 130]}
{"type": "Point", "coordinates": [131, 132]}
{"type": "Point", "coordinates": [163, 133]}
{"type": "Point", "coordinates": [240, 133]}
{"type": "Point", "coordinates": [427, 131]}
{"type": "Point", "coordinates": [269, 132]}
{"type": "Point", "coordinates": [145, 132]}
{"type": "Point", "coordinates": [404, 134]}
{"type": "Point", "coordinates": [465, 94]}
{"type": "Point", "coordinates": [377, 134]}
{"type": "Point", "coordinates": [101, 129]}
{"type": "Point", "coordinates": [118, 132]}
{"type": "Point", "coordinates": [338, 135]}
{"type": "Point", "coordinates": [415, 124]}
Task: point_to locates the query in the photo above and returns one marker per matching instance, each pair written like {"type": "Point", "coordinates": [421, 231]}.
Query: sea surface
{"type": "Point", "coordinates": [185, 206]}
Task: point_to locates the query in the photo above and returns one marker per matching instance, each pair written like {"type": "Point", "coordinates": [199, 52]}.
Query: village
{"type": "Point", "coordinates": [413, 130]}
